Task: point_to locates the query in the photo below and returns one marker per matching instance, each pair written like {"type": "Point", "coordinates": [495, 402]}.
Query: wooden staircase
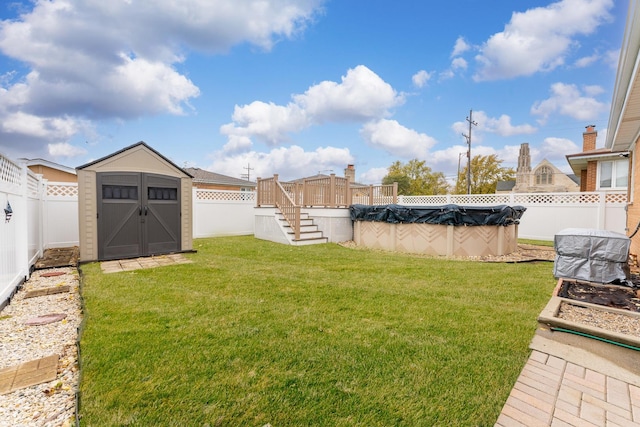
{"type": "Point", "coordinates": [309, 233]}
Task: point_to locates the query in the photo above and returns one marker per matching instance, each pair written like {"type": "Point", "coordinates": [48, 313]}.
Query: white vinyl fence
{"type": "Point", "coordinates": [21, 239]}
{"type": "Point", "coordinates": [547, 213]}
{"type": "Point", "coordinates": [223, 213]}
{"type": "Point", "coordinates": [60, 215]}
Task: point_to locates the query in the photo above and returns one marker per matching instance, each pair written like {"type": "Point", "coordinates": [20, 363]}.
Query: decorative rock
{"type": "Point", "coordinates": [22, 343]}
{"type": "Point", "coordinates": [46, 319]}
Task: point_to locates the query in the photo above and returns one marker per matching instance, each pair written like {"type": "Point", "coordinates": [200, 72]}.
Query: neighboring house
{"type": "Point", "coordinates": [349, 173]}
{"type": "Point", "coordinates": [214, 181]}
{"type": "Point", "coordinates": [623, 130]}
{"type": "Point", "coordinates": [50, 171]}
{"type": "Point", "coordinates": [545, 177]}
{"type": "Point", "coordinates": [599, 169]}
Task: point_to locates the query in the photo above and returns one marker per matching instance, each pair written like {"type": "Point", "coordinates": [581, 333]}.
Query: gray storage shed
{"type": "Point", "coordinates": [133, 203]}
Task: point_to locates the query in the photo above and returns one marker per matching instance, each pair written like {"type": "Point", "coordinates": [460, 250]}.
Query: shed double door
{"type": "Point", "coordinates": [138, 214]}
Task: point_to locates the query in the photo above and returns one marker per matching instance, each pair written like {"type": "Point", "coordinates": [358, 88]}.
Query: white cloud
{"type": "Point", "coordinates": [289, 162]}
{"type": "Point", "coordinates": [593, 90]}
{"type": "Point", "coordinates": [362, 95]}
{"type": "Point", "coordinates": [611, 57]}
{"type": "Point", "coordinates": [64, 149]}
{"type": "Point", "coordinates": [539, 39]}
{"type": "Point", "coordinates": [421, 78]}
{"type": "Point", "coordinates": [397, 140]}
{"type": "Point", "coordinates": [484, 124]}
{"type": "Point", "coordinates": [458, 64]}
{"type": "Point", "coordinates": [372, 176]}
{"type": "Point", "coordinates": [585, 61]}
{"type": "Point", "coordinates": [117, 59]}
{"type": "Point", "coordinates": [446, 75]}
{"type": "Point", "coordinates": [269, 122]}
{"type": "Point", "coordinates": [460, 47]}
{"type": "Point", "coordinates": [557, 148]}
{"type": "Point", "coordinates": [567, 99]}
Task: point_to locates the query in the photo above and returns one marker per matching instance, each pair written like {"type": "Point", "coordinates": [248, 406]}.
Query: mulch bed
{"type": "Point", "coordinates": [616, 296]}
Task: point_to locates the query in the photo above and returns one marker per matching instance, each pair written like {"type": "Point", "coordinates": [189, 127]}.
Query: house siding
{"type": "Point", "coordinates": [53, 174]}
{"type": "Point", "coordinates": [633, 209]}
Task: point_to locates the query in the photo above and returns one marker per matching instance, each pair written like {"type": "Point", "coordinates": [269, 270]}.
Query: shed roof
{"type": "Point", "coordinates": [131, 147]}
{"type": "Point", "coordinates": [206, 177]}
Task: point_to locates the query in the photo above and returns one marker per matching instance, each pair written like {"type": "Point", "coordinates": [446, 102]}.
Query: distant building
{"type": "Point", "coordinates": [349, 174]}
{"type": "Point", "coordinates": [51, 171]}
{"type": "Point", "coordinates": [214, 181]}
{"type": "Point", "coordinates": [600, 169]}
{"type": "Point", "coordinates": [545, 177]}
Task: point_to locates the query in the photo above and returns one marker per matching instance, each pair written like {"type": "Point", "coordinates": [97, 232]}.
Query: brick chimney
{"type": "Point", "coordinates": [350, 173]}
{"type": "Point", "coordinates": [589, 138]}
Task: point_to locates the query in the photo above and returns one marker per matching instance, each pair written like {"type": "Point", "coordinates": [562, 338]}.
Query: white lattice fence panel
{"type": "Point", "coordinates": [59, 189]}
{"type": "Point", "coordinates": [9, 171]}
{"type": "Point", "coordinates": [424, 200]}
{"type": "Point", "coordinates": [557, 198]}
{"type": "Point", "coordinates": [616, 198]}
{"type": "Point", "coordinates": [479, 199]}
{"type": "Point", "coordinates": [228, 196]}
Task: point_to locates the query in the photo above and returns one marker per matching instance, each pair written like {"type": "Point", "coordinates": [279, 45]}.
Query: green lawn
{"type": "Point", "coordinates": [254, 332]}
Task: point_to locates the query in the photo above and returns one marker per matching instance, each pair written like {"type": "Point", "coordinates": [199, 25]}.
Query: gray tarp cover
{"type": "Point", "coordinates": [444, 214]}
{"type": "Point", "coordinates": [593, 255]}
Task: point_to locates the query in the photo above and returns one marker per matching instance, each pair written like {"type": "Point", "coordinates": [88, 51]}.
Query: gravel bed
{"type": "Point", "coordinates": [613, 322]}
{"type": "Point", "coordinates": [53, 403]}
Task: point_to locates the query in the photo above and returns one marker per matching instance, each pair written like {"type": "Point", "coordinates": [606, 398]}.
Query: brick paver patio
{"type": "Point", "coordinates": [553, 392]}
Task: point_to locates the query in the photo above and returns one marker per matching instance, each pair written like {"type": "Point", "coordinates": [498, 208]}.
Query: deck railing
{"type": "Point", "coordinates": [327, 192]}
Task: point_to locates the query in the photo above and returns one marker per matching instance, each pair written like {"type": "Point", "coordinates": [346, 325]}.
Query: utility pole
{"type": "Point", "coordinates": [458, 175]}
{"type": "Point", "coordinates": [468, 137]}
{"type": "Point", "coordinates": [247, 175]}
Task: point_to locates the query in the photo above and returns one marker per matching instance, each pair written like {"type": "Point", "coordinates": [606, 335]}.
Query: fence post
{"type": "Point", "coordinates": [20, 216]}
{"type": "Point", "coordinates": [371, 195]}
{"type": "Point", "coordinates": [258, 192]}
{"type": "Point", "coordinates": [395, 193]}
{"type": "Point", "coordinates": [332, 191]}
{"type": "Point", "coordinates": [602, 205]}
{"type": "Point", "coordinates": [274, 189]}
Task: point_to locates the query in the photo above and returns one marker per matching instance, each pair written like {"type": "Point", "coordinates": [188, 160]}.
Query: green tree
{"type": "Point", "coordinates": [486, 171]}
{"type": "Point", "coordinates": [416, 178]}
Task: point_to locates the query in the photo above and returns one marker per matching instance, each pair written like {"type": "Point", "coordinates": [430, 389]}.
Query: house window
{"type": "Point", "coordinates": [544, 175]}
{"type": "Point", "coordinates": [613, 174]}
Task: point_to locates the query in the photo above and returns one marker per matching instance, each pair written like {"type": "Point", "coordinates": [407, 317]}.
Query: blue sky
{"type": "Point", "coordinates": [297, 87]}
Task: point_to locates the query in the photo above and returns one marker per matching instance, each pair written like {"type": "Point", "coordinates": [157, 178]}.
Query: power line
{"type": "Point", "coordinates": [468, 137]}
{"type": "Point", "coordinates": [247, 175]}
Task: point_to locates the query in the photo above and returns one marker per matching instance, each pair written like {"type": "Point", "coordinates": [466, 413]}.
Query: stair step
{"type": "Point", "coordinates": [308, 234]}
{"type": "Point", "coordinates": [314, 241]}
